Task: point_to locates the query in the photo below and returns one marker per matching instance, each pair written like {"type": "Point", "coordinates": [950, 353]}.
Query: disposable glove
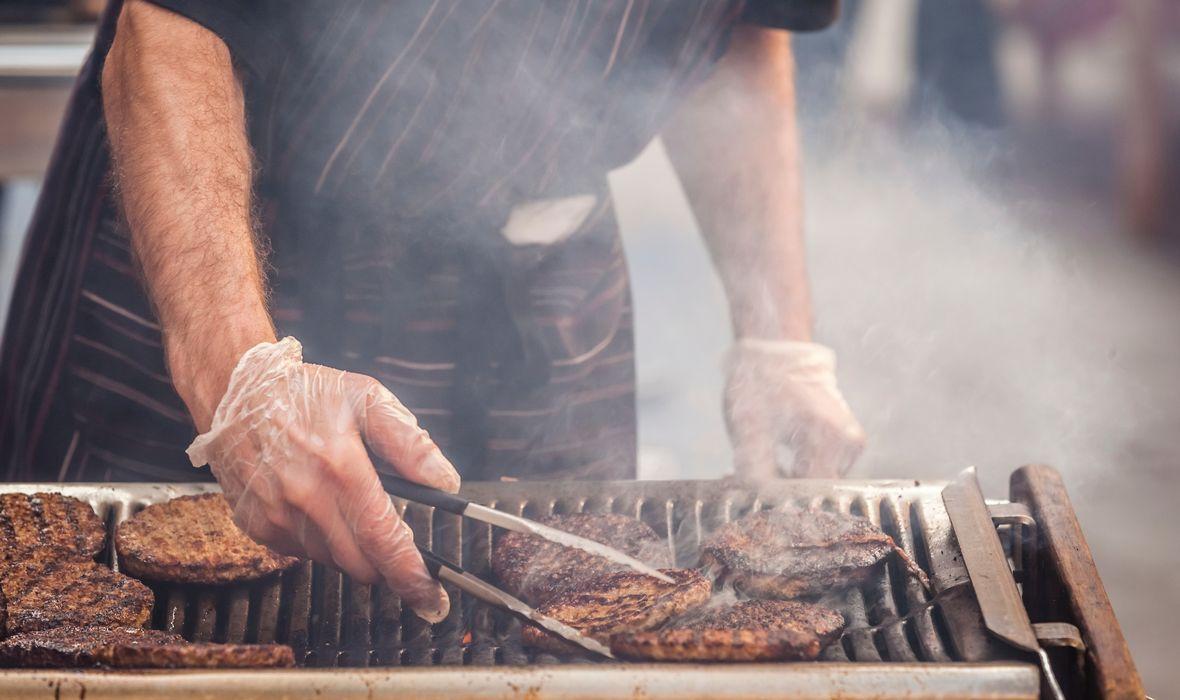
{"type": "Point", "coordinates": [785, 413]}
{"type": "Point", "coordinates": [287, 445]}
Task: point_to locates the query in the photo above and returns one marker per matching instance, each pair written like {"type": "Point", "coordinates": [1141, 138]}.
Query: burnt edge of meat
{"type": "Point", "coordinates": [48, 522]}
{"type": "Point", "coordinates": [47, 592]}
{"type": "Point", "coordinates": [751, 630]}
{"type": "Point", "coordinates": [535, 570]}
{"type": "Point", "coordinates": [132, 647]}
{"type": "Point", "coordinates": [797, 554]}
{"type": "Point", "coordinates": [193, 539]}
{"type": "Point", "coordinates": [618, 601]}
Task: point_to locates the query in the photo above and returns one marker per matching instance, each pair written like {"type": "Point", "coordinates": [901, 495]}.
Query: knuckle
{"type": "Point", "coordinates": [300, 493]}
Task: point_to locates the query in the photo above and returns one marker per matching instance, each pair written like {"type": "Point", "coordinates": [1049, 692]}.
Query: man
{"type": "Point", "coordinates": [425, 183]}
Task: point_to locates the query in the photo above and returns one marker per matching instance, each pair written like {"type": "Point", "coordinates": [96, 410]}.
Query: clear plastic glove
{"type": "Point", "coordinates": [785, 413]}
{"type": "Point", "coordinates": [287, 445]}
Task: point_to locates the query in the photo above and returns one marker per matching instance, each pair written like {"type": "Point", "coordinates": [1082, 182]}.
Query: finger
{"type": "Point", "coordinates": [754, 452]}
{"type": "Point", "coordinates": [826, 451]}
{"type": "Point", "coordinates": [275, 526]}
{"type": "Point", "coordinates": [319, 548]}
{"type": "Point", "coordinates": [323, 526]}
{"type": "Point", "coordinates": [392, 431]}
{"type": "Point", "coordinates": [389, 544]}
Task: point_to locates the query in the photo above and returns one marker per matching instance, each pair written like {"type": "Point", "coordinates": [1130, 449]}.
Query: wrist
{"type": "Point", "coordinates": [769, 325]}
{"type": "Point", "coordinates": [202, 362]}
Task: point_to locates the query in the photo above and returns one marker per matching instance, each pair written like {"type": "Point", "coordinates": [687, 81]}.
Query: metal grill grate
{"type": "Point", "coordinates": [334, 622]}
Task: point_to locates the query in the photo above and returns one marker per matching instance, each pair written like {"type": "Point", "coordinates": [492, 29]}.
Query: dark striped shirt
{"type": "Point", "coordinates": [394, 140]}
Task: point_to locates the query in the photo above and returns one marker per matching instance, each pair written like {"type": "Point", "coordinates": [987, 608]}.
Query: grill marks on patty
{"type": "Point", "coordinates": [193, 539]}
{"type": "Point", "coordinates": [47, 522]}
{"type": "Point", "coordinates": [750, 630]}
{"type": "Point", "coordinates": [536, 570]}
{"type": "Point", "coordinates": [48, 576]}
{"type": "Point", "coordinates": [619, 601]}
{"type": "Point", "coordinates": [797, 553]}
{"type": "Point", "coordinates": [46, 592]}
{"type": "Point", "coordinates": [132, 647]}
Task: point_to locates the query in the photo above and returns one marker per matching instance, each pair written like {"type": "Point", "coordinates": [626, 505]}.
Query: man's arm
{"type": "Point", "coordinates": [288, 441]}
{"type": "Point", "coordinates": [735, 147]}
{"type": "Point", "coordinates": [176, 122]}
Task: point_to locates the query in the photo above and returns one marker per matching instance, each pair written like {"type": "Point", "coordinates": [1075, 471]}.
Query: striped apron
{"type": "Point", "coordinates": [432, 188]}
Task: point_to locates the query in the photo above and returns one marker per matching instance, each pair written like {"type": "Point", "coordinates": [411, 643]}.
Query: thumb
{"type": "Point", "coordinates": [393, 433]}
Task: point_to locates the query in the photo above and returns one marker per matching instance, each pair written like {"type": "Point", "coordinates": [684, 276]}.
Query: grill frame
{"type": "Point", "coordinates": [337, 630]}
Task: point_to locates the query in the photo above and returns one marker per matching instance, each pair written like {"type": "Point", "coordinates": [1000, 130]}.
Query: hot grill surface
{"type": "Point", "coordinates": [332, 621]}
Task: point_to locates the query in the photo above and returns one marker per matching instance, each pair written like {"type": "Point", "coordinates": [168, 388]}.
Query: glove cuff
{"type": "Point", "coordinates": [791, 355]}
{"type": "Point", "coordinates": [256, 366]}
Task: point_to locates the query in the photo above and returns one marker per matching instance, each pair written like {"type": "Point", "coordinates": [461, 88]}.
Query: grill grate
{"type": "Point", "coordinates": [332, 621]}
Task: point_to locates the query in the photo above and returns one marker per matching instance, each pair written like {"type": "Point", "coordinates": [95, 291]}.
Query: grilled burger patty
{"type": "Point", "coordinates": [132, 647]}
{"type": "Point", "coordinates": [48, 522]}
{"type": "Point", "coordinates": [751, 630]}
{"type": "Point", "coordinates": [616, 602]}
{"type": "Point", "coordinates": [193, 539]}
{"type": "Point", "coordinates": [797, 553]}
{"type": "Point", "coordinates": [536, 570]}
{"type": "Point", "coordinates": [45, 592]}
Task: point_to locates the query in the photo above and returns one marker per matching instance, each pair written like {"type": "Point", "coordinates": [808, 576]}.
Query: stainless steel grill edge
{"type": "Point", "coordinates": [350, 633]}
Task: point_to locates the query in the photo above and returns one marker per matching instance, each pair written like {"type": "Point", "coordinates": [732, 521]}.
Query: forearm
{"type": "Point", "coordinates": [176, 123]}
{"type": "Point", "coordinates": [734, 146]}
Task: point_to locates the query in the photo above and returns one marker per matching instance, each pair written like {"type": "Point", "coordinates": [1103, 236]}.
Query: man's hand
{"type": "Point", "coordinates": [785, 413]}
{"type": "Point", "coordinates": [285, 439]}
{"type": "Point", "coordinates": [288, 444]}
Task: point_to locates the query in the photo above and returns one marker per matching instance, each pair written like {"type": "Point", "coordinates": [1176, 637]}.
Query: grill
{"type": "Point", "coordinates": [354, 638]}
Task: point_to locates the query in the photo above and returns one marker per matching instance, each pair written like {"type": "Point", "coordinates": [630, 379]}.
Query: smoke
{"type": "Point", "coordinates": [982, 313]}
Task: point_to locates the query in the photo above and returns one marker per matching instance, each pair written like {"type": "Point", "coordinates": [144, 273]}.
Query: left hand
{"type": "Point", "coordinates": [781, 396]}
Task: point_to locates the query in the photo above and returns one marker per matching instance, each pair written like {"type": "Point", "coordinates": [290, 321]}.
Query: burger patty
{"type": "Point", "coordinates": [536, 570]}
{"type": "Point", "coordinates": [797, 553]}
{"type": "Point", "coordinates": [132, 647]}
{"type": "Point", "coordinates": [617, 602]}
{"type": "Point", "coordinates": [193, 539]}
{"type": "Point", "coordinates": [45, 592]}
{"type": "Point", "coordinates": [48, 522]}
{"type": "Point", "coordinates": [751, 630]}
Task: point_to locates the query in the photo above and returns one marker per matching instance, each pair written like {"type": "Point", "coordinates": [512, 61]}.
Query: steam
{"type": "Point", "coordinates": [982, 315]}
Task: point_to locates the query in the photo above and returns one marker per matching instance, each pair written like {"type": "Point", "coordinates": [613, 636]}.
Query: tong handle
{"type": "Point", "coordinates": [425, 495]}
{"type": "Point", "coordinates": [435, 563]}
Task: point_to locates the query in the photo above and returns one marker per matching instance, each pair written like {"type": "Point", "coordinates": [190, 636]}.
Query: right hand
{"type": "Point", "coordinates": [287, 444]}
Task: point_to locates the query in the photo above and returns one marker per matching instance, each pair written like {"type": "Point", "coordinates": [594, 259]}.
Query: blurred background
{"type": "Point", "coordinates": [992, 199]}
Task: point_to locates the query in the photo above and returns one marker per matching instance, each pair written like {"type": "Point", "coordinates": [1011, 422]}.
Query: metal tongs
{"type": "Point", "coordinates": [450, 572]}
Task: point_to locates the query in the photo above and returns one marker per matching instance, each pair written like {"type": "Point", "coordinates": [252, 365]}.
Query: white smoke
{"type": "Point", "coordinates": [980, 318]}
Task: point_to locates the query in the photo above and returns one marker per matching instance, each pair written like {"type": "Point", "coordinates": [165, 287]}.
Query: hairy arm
{"type": "Point", "coordinates": [734, 145]}
{"type": "Point", "coordinates": [176, 123]}
{"type": "Point", "coordinates": [288, 441]}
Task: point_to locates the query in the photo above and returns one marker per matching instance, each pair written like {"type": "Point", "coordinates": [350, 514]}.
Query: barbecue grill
{"type": "Point", "coordinates": [354, 640]}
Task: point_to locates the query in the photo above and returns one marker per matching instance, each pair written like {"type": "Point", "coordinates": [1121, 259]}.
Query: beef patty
{"type": "Point", "coordinates": [535, 570]}
{"type": "Point", "coordinates": [751, 630]}
{"type": "Point", "coordinates": [132, 647]}
{"type": "Point", "coordinates": [797, 553]}
{"type": "Point", "coordinates": [193, 539]}
{"type": "Point", "coordinates": [48, 522]}
{"type": "Point", "coordinates": [45, 592]}
{"type": "Point", "coordinates": [616, 602]}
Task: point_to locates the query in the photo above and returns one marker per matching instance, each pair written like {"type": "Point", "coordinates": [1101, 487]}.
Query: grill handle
{"type": "Point", "coordinates": [1067, 578]}
{"type": "Point", "coordinates": [425, 495]}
